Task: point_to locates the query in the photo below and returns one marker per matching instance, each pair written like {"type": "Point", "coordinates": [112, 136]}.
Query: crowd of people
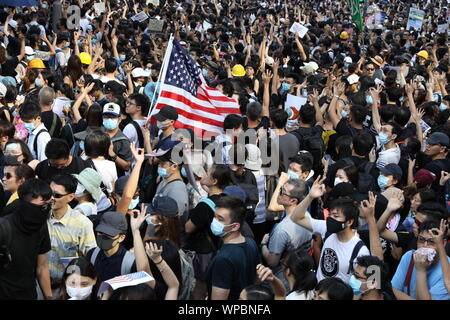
{"type": "Point", "coordinates": [353, 203]}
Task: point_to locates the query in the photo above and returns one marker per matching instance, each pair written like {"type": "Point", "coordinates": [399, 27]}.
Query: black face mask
{"type": "Point", "coordinates": [32, 217]}
{"type": "Point", "coordinates": [104, 242]}
{"type": "Point", "coordinates": [12, 160]}
{"type": "Point", "coordinates": [334, 226]}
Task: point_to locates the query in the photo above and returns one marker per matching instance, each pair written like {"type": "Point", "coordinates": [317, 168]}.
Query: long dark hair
{"type": "Point", "coordinates": [74, 69]}
{"type": "Point", "coordinates": [301, 265]}
{"type": "Point", "coordinates": [85, 268]}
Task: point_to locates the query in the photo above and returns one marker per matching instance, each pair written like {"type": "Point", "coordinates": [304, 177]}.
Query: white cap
{"type": "Point", "coordinates": [253, 161]}
{"type": "Point", "coordinates": [112, 108]}
{"type": "Point", "coordinates": [353, 79]}
{"type": "Point", "coordinates": [183, 43]}
{"type": "Point", "coordinates": [270, 61]}
{"type": "Point", "coordinates": [2, 90]}
{"type": "Point", "coordinates": [29, 51]}
{"type": "Point", "coordinates": [139, 72]}
{"type": "Point", "coordinates": [348, 60]}
{"type": "Point", "coordinates": [310, 67]}
{"type": "Point", "coordinates": [13, 23]}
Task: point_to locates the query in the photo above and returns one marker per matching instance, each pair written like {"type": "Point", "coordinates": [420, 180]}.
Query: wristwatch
{"type": "Point", "coordinates": [114, 157]}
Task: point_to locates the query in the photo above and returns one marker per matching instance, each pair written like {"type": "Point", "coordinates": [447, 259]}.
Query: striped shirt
{"type": "Point", "coordinates": [260, 210]}
{"type": "Point", "coordinates": [71, 236]}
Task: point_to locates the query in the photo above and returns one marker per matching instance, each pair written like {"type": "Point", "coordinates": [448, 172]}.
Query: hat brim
{"type": "Point", "coordinates": [95, 192]}
{"type": "Point", "coordinates": [159, 117]}
{"type": "Point", "coordinates": [110, 231]}
{"type": "Point", "coordinates": [112, 114]}
{"type": "Point", "coordinates": [389, 173]}
{"type": "Point", "coordinates": [376, 62]}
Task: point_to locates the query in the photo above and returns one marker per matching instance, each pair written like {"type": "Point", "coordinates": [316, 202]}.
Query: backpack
{"type": "Point", "coordinates": [187, 274]}
{"type": "Point", "coordinates": [366, 181]}
{"type": "Point", "coordinates": [127, 261]}
{"type": "Point", "coordinates": [313, 143]}
{"type": "Point", "coordinates": [36, 140]}
{"type": "Point", "coordinates": [52, 61]}
{"type": "Point", "coordinates": [53, 126]}
{"type": "Point", "coordinates": [5, 243]}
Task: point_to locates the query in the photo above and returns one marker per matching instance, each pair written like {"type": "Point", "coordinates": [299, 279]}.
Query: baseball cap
{"type": "Point", "coordinates": [348, 60]}
{"type": "Point", "coordinates": [29, 51]}
{"type": "Point", "coordinates": [116, 88]}
{"type": "Point", "coordinates": [424, 177]}
{"type": "Point", "coordinates": [139, 72]}
{"type": "Point", "coordinates": [353, 79]}
{"type": "Point", "coordinates": [392, 169]}
{"type": "Point", "coordinates": [112, 223]}
{"type": "Point", "coordinates": [8, 81]}
{"type": "Point", "coordinates": [310, 67]}
{"type": "Point", "coordinates": [166, 112]}
{"type": "Point", "coordinates": [235, 191]}
{"type": "Point", "coordinates": [163, 206]}
{"type": "Point", "coordinates": [253, 161]}
{"type": "Point", "coordinates": [438, 138]}
{"type": "Point", "coordinates": [119, 185]}
{"type": "Point", "coordinates": [112, 109]}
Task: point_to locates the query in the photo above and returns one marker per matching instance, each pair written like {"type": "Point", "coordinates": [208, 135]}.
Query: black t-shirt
{"type": "Point", "coordinates": [436, 166]}
{"type": "Point", "coordinates": [406, 240]}
{"type": "Point", "coordinates": [234, 268]}
{"type": "Point", "coordinates": [48, 117]}
{"type": "Point", "coordinates": [408, 132]}
{"type": "Point", "coordinates": [265, 123]}
{"type": "Point", "coordinates": [202, 240]}
{"type": "Point", "coordinates": [18, 281]}
{"type": "Point", "coordinates": [9, 67]}
{"type": "Point", "coordinates": [45, 172]}
{"type": "Point", "coordinates": [304, 131]}
{"type": "Point", "coordinates": [343, 129]}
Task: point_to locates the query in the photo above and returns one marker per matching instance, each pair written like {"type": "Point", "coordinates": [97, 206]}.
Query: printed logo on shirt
{"type": "Point", "coordinates": [329, 263]}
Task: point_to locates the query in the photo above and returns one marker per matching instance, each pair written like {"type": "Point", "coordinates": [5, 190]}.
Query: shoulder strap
{"type": "Point", "coordinates": [355, 252]}
{"type": "Point", "coordinates": [53, 127]}
{"type": "Point", "coordinates": [127, 263]}
{"type": "Point", "coordinates": [407, 282]}
{"type": "Point", "coordinates": [137, 127]}
{"type": "Point", "coordinates": [36, 139]}
{"type": "Point", "coordinates": [209, 202]}
{"type": "Point", "coordinates": [94, 255]}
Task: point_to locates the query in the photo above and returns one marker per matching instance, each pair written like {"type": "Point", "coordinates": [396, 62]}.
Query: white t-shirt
{"type": "Point", "coordinates": [300, 295]}
{"type": "Point", "coordinates": [130, 132]}
{"type": "Point", "coordinates": [335, 255]}
{"type": "Point", "coordinates": [387, 156]}
{"type": "Point", "coordinates": [87, 208]}
{"type": "Point", "coordinates": [108, 171]}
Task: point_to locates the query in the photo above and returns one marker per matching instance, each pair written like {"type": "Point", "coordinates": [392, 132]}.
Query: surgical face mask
{"type": "Point", "coordinates": [29, 126]}
{"type": "Point", "coordinates": [43, 6]}
{"type": "Point", "coordinates": [29, 58]}
{"type": "Point", "coordinates": [344, 113]}
{"type": "Point", "coordinates": [79, 293]}
{"type": "Point", "coordinates": [110, 124]}
{"type": "Point", "coordinates": [356, 285]}
{"type": "Point", "coordinates": [183, 172]}
{"type": "Point", "coordinates": [401, 99]}
{"type": "Point", "coordinates": [162, 172]}
{"type": "Point", "coordinates": [80, 42]}
{"type": "Point", "coordinates": [133, 203]}
{"type": "Point", "coordinates": [122, 57]}
{"type": "Point", "coordinates": [151, 226]}
{"type": "Point", "coordinates": [94, 41]}
{"type": "Point", "coordinates": [346, 65]}
{"type": "Point", "coordinates": [82, 145]}
{"type": "Point", "coordinates": [285, 86]}
{"type": "Point", "coordinates": [205, 73]}
{"type": "Point", "coordinates": [104, 242]}
{"type": "Point", "coordinates": [193, 57]}
{"type": "Point", "coordinates": [384, 138]}
{"type": "Point", "coordinates": [66, 45]}
{"type": "Point", "coordinates": [293, 175]}
{"type": "Point", "coordinates": [442, 107]}
{"type": "Point", "coordinates": [369, 100]}
{"type": "Point", "coordinates": [38, 82]}
{"type": "Point", "coordinates": [161, 125]}
{"type": "Point", "coordinates": [383, 182]}
{"type": "Point", "coordinates": [337, 181]}
{"type": "Point", "coordinates": [217, 228]}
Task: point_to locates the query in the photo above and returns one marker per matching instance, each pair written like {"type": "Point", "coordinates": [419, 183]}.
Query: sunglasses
{"type": "Point", "coordinates": [58, 195]}
{"type": "Point", "coordinates": [370, 69]}
{"type": "Point", "coordinates": [8, 175]}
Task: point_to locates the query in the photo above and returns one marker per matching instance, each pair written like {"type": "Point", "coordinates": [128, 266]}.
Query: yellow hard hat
{"type": "Point", "coordinates": [85, 58]}
{"type": "Point", "coordinates": [36, 63]}
{"type": "Point", "coordinates": [238, 71]}
{"type": "Point", "coordinates": [344, 35]}
{"type": "Point", "coordinates": [423, 54]}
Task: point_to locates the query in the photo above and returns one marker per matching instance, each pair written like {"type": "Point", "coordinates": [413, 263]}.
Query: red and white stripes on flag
{"type": "Point", "coordinates": [202, 109]}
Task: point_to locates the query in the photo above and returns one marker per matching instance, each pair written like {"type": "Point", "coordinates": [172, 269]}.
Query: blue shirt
{"type": "Point", "coordinates": [435, 278]}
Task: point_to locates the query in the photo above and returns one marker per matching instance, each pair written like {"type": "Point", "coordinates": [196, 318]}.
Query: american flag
{"type": "Point", "coordinates": [131, 279]}
{"type": "Point", "coordinates": [199, 106]}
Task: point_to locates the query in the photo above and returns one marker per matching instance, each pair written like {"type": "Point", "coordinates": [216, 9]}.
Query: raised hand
{"type": "Point", "coordinates": [396, 200]}
{"type": "Point", "coordinates": [136, 219]}
{"type": "Point", "coordinates": [138, 153]}
{"type": "Point", "coordinates": [318, 188]}
{"type": "Point", "coordinates": [438, 234]}
{"type": "Point", "coordinates": [267, 76]}
{"type": "Point", "coordinates": [367, 207]}
{"type": "Point", "coordinates": [444, 178]}
{"type": "Point", "coordinates": [153, 252]}
{"type": "Point", "coordinates": [264, 273]}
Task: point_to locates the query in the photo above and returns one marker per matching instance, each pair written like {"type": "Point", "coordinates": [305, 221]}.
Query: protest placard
{"type": "Point", "coordinates": [155, 25]}
{"type": "Point", "coordinates": [299, 28]}
{"type": "Point", "coordinates": [292, 106]}
{"type": "Point", "coordinates": [415, 19]}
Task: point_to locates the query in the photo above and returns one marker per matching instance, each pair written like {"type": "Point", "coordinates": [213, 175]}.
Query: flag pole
{"type": "Point", "coordinates": [162, 75]}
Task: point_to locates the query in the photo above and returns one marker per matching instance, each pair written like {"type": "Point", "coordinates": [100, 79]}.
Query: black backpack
{"type": "Point", "coordinates": [5, 243]}
{"type": "Point", "coordinates": [313, 143]}
{"type": "Point", "coordinates": [251, 200]}
{"type": "Point", "coordinates": [366, 181]}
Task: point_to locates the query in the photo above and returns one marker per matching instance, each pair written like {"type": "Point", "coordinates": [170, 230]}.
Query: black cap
{"type": "Point", "coordinates": [113, 223]}
{"type": "Point", "coordinates": [163, 206]}
{"type": "Point", "coordinates": [166, 112]}
{"type": "Point", "coordinates": [438, 138]}
{"type": "Point", "coordinates": [114, 87]}
{"type": "Point", "coordinates": [392, 169]}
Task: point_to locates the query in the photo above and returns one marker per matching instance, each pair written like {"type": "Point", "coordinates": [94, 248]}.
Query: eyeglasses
{"type": "Point", "coordinates": [129, 103]}
{"type": "Point", "coordinates": [283, 193]}
{"type": "Point", "coordinates": [58, 195]}
{"type": "Point", "coordinates": [370, 69]}
{"type": "Point", "coordinates": [423, 240]}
